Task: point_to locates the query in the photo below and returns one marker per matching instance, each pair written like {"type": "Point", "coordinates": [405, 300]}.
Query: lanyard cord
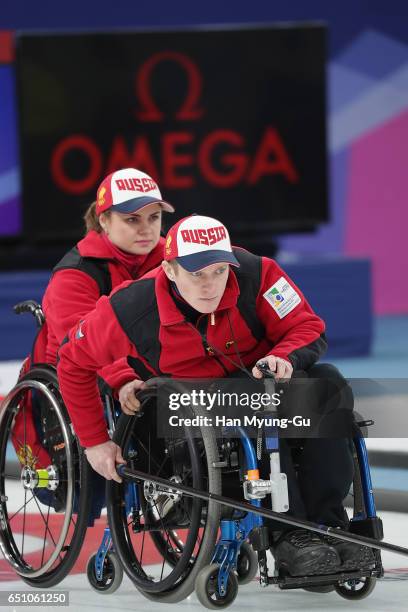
{"type": "Point", "coordinates": [219, 353]}
{"type": "Point", "coordinates": [243, 367]}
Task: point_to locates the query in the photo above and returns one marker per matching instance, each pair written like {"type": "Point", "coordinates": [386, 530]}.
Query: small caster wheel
{"type": "Point", "coordinates": [356, 589]}
{"type": "Point", "coordinates": [206, 588]}
{"type": "Point", "coordinates": [247, 564]}
{"type": "Point", "coordinates": [112, 574]}
{"type": "Point", "coordinates": [323, 588]}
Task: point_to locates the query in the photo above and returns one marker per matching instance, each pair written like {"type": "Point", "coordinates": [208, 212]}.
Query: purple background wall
{"type": "Point", "coordinates": [368, 152]}
{"type": "Point", "coordinates": [10, 221]}
{"type": "Point", "coordinates": [368, 117]}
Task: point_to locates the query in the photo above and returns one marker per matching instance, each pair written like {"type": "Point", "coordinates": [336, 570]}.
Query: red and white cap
{"type": "Point", "coordinates": [197, 242]}
{"type": "Point", "coordinates": [127, 191]}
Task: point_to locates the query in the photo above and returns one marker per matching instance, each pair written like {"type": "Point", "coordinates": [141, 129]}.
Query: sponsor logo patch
{"type": "Point", "coordinates": [282, 297]}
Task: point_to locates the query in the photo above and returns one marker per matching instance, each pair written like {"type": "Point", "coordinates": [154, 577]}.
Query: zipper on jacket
{"type": "Point", "coordinates": [202, 323]}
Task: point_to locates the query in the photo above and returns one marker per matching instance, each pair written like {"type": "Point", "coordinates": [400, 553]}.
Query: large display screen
{"type": "Point", "coordinates": [229, 122]}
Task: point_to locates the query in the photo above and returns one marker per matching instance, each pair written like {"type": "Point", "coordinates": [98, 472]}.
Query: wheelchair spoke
{"type": "Point", "coordinates": [24, 520]}
{"type": "Point", "coordinates": [39, 447]}
{"type": "Point", "coordinates": [25, 438]}
{"type": "Point", "coordinates": [17, 440]}
{"type": "Point", "coordinates": [143, 542]}
{"type": "Point", "coordinates": [188, 472]}
{"type": "Point", "coordinates": [21, 507]}
{"type": "Point", "coordinates": [177, 542]}
{"type": "Point", "coordinates": [167, 531]}
{"type": "Point", "coordinates": [45, 523]}
{"type": "Point", "coordinates": [162, 465]}
{"type": "Point", "coordinates": [150, 456]}
{"type": "Point", "coordinates": [162, 569]}
{"type": "Point", "coordinates": [45, 537]}
{"type": "Point", "coordinates": [147, 452]}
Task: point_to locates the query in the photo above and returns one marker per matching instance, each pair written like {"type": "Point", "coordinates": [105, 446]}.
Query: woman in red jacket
{"type": "Point", "coordinates": [122, 243]}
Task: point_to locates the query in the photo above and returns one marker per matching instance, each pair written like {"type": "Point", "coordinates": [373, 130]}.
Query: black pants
{"type": "Point", "coordinates": [324, 472]}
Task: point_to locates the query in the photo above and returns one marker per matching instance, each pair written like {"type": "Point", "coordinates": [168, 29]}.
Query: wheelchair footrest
{"type": "Point", "coordinates": [298, 582]}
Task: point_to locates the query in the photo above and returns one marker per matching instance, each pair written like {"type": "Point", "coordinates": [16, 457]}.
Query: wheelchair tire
{"type": "Point", "coordinates": [182, 550]}
{"type": "Point", "coordinates": [247, 564]}
{"type": "Point", "coordinates": [206, 588]}
{"type": "Point", "coordinates": [62, 535]}
{"type": "Point", "coordinates": [112, 574]}
{"type": "Point", "coordinates": [358, 589]}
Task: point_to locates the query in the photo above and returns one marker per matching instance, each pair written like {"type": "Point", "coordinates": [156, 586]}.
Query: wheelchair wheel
{"type": "Point", "coordinates": [164, 540]}
{"type": "Point", "coordinates": [206, 588]}
{"type": "Point", "coordinates": [356, 589]}
{"type": "Point", "coordinates": [42, 471]}
{"type": "Point", "coordinates": [247, 564]}
{"type": "Point", "coordinates": [112, 574]}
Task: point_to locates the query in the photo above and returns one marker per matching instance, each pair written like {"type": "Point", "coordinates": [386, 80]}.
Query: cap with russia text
{"type": "Point", "coordinates": [127, 191]}
{"type": "Point", "coordinates": [197, 242]}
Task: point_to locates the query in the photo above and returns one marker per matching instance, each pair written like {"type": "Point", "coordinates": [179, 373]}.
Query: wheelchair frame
{"type": "Point", "coordinates": [42, 380]}
{"type": "Point", "coordinates": [105, 571]}
{"type": "Point", "coordinates": [235, 531]}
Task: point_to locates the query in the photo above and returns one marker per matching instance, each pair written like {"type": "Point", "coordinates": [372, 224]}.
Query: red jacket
{"type": "Point", "coordinates": [71, 294]}
{"type": "Point", "coordinates": [293, 334]}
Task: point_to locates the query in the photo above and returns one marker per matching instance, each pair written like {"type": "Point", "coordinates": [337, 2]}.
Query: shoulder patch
{"type": "Point", "coordinates": [282, 297]}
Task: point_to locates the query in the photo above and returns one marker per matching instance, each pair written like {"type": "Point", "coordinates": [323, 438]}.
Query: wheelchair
{"type": "Point", "coordinates": [170, 528]}
{"type": "Point", "coordinates": [174, 534]}
{"type": "Point", "coordinates": [44, 471]}
{"type": "Point", "coordinates": [46, 478]}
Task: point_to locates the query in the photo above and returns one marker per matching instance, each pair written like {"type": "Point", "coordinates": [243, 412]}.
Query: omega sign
{"type": "Point", "coordinates": [171, 167]}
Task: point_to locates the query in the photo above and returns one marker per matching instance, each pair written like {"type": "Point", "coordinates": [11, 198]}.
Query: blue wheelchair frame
{"type": "Point", "coordinates": [132, 504]}
{"type": "Point", "coordinates": [235, 531]}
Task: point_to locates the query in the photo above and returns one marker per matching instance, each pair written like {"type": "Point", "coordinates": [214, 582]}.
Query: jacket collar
{"type": "Point", "coordinates": [93, 245]}
{"type": "Point", "coordinates": [169, 313]}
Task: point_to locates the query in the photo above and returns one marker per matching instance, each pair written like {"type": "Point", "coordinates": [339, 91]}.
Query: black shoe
{"type": "Point", "coordinates": [353, 556]}
{"type": "Point", "coordinates": [304, 553]}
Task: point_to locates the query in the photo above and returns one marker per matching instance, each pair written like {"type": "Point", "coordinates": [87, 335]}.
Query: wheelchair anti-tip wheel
{"type": "Point", "coordinates": [247, 564]}
{"type": "Point", "coordinates": [112, 574]}
{"type": "Point", "coordinates": [42, 472]}
{"type": "Point", "coordinates": [356, 589]}
{"type": "Point", "coordinates": [163, 537]}
{"type": "Point", "coordinates": [206, 588]}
